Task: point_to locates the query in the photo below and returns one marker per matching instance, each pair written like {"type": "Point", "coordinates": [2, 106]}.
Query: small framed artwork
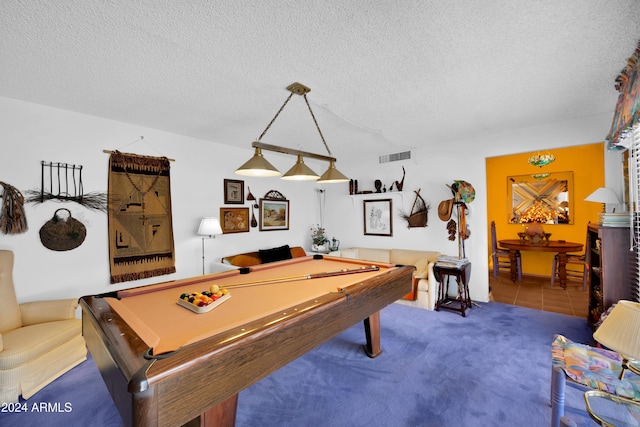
{"type": "Point", "coordinates": [234, 220]}
{"type": "Point", "coordinates": [233, 192]}
{"type": "Point", "coordinates": [377, 218]}
{"type": "Point", "coordinates": [274, 215]}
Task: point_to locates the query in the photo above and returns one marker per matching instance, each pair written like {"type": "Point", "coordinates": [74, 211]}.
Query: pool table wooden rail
{"type": "Point", "coordinates": [205, 377]}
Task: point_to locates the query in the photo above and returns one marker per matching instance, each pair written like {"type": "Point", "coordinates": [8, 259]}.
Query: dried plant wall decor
{"type": "Point", "coordinates": [63, 182]}
{"type": "Point", "coordinates": [13, 219]}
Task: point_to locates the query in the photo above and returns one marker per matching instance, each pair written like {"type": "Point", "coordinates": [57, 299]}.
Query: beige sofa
{"type": "Point", "coordinates": [39, 341]}
{"type": "Point", "coordinates": [425, 284]}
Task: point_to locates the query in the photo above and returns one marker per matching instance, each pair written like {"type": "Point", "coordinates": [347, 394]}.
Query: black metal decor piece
{"type": "Point", "coordinates": [63, 182]}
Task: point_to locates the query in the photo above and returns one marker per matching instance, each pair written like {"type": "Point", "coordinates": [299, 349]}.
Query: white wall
{"type": "Point", "coordinates": [431, 169]}
{"type": "Point", "coordinates": [32, 133]}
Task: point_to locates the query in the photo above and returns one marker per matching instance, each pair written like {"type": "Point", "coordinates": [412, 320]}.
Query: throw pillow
{"type": "Point", "coordinates": [275, 254]}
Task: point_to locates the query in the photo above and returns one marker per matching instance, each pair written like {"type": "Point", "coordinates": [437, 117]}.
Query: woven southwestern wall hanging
{"type": "Point", "coordinates": [140, 225]}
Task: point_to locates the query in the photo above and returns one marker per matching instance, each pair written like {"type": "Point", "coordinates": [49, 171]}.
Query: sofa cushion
{"type": "Point", "coordinates": [422, 268]}
{"type": "Point", "coordinates": [346, 253]}
{"type": "Point", "coordinates": [275, 254]}
{"type": "Point", "coordinates": [27, 343]}
{"type": "Point", "coordinates": [297, 252]}
{"type": "Point", "coordinates": [249, 259]}
{"type": "Point", "coordinates": [244, 260]}
{"type": "Point", "coordinates": [10, 317]}
{"type": "Point", "coordinates": [372, 254]}
{"type": "Point", "coordinates": [48, 311]}
{"type": "Point", "coordinates": [410, 257]}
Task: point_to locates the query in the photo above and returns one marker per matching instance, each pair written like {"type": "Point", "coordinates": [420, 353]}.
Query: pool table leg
{"type": "Point", "coordinates": [372, 332]}
{"type": "Point", "coordinates": [221, 415]}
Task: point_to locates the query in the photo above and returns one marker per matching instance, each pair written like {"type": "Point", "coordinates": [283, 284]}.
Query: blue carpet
{"type": "Point", "coordinates": [437, 369]}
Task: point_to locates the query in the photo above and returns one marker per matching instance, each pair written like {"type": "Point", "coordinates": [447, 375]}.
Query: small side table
{"type": "Point", "coordinates": [612, 411]}
{"type": "Point", "coordinates": [462, 275]}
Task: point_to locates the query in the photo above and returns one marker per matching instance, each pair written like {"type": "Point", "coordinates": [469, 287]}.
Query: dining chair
{"type": "Point", "coordinates": [500, 257]}
{"type": "Point", "coordinates": [577, 267]}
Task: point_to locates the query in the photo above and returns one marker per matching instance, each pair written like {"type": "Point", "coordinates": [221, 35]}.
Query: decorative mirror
{"type": "Point", "coordinates": [546, 198]}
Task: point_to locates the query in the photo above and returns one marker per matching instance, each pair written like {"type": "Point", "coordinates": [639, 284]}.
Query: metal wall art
{"type": "Point", "coordinates": [63, 182]}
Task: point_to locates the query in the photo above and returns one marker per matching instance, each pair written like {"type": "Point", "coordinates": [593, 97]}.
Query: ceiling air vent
{"type": "Point", "coordinates": [394, 157]}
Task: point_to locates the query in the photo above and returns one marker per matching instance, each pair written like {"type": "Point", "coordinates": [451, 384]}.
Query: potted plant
{"type": "Point", "coordinates": [319, 238]}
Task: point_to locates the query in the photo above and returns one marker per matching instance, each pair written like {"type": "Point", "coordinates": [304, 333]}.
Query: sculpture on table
{"type": "Point", "coordinates": [399, 184]}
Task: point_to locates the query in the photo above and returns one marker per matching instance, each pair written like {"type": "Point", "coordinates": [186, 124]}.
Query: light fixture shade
{"type": "Point", "coordinates": [332, 175]}
{"type": "Point", "coordinates": [209, 226]}
{"type": "Point", "coordinates": [540, 159]}
{"type": "Point", "coordinates": [540, 175]}
{"type": "Point", "coordinates": [619, 330]}
{"type": "Point", "coordinates": [603, 195]}
{"type": "Point", "coordinates": [257, 166]}
{"type": "Point", "coordinates": [300, 172]}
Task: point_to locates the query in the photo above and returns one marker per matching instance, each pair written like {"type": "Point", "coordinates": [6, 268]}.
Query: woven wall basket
{"type": "Point", "coordinates": [60, 234]}
{"type": "Point", "coordinates": [418, 219]}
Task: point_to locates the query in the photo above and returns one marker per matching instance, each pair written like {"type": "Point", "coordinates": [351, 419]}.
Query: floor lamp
{"type": "Point", "coordinates": [210, 227]}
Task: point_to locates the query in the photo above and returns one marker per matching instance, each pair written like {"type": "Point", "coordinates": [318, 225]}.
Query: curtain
{"type": "Point", "coordinates": [626, 114]}
{"type": "Point", "coordinates": [633, 142]}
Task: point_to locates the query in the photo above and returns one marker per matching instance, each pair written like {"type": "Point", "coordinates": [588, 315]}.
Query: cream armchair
{"type": "Point", "coordinates": [39, 341]}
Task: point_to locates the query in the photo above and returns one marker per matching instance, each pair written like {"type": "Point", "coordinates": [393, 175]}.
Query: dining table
{"type": "Point", "coordinates": [561, 247]}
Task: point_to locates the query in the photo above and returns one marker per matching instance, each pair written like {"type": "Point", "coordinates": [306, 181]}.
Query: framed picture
{"type": "Point", "coordinates": [377, 218]}
{"type": "Point", "coordinates": [234, 220]}
{"type": "Point", "coordinates": [274, 215]}
{"type": "Point", "coordinates": [233, 192]}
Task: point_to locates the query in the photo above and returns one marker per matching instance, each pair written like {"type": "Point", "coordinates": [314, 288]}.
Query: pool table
{"type": "Point", "coordinates": [166, 365]}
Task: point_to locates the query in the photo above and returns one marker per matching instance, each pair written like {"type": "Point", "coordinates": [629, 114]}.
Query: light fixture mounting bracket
{"type": "Point", "coordinates": [298, 88]}
{"type": "Point", "coordinates": [284, 150]}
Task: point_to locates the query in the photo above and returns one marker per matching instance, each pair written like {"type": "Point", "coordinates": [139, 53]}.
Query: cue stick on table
{"type": "Point", "coordinates": [305, 276]}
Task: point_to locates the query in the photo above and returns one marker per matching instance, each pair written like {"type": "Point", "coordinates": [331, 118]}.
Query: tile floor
{"type": "Point", "coordinates": [536, 292]}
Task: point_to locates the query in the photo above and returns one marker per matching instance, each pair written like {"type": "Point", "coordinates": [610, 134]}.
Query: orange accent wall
{"type": "Point", "coordinates": [587, 164]}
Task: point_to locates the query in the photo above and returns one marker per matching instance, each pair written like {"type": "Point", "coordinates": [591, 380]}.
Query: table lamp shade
{"type": "Point", "coordinates": [603, 195]}
{"type": "Point", "coordinates": [209, 226]}
{"type": "Point", "coordinates": [620, 330]}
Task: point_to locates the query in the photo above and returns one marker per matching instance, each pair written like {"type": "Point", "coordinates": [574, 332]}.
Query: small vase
{"type": "Point", "coordinates": [319, 248]}
{"type": "Point", "coordinates": [535, 232]}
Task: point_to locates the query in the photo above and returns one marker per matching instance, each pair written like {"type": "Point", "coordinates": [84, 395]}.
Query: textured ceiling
{"type": "Point", "coordinates": [384, 75]}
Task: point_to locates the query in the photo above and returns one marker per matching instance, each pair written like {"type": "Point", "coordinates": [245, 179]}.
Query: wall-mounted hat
{"type": "Point", "coordinates": [465, 191]}
{"type": "Point", "coordinates": [444, 209]}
